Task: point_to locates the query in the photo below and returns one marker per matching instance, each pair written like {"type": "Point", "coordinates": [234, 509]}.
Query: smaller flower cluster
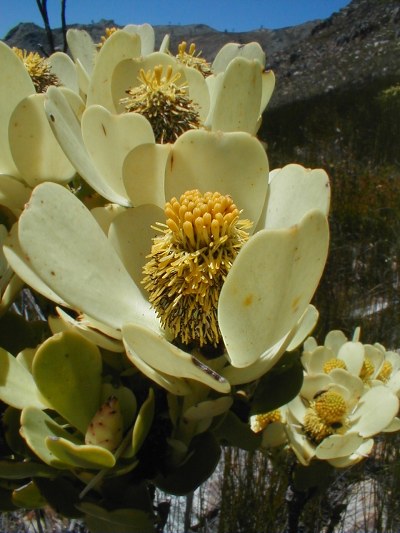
{"type": "Point", "coordinates": [164, 103]}
{"type": "Point", "coordinates": [350, 393]}
{"type": "Point", "coordinates": [38, 68]}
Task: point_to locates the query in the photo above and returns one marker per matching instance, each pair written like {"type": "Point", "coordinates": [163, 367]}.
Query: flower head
{"type": "Point", "coordinates": [325, 416]}
{"type": "Point", "coordinates": [257, 304]}
{"type": "Point", "coordinates": [107, 34]}
{"type": "Point", "coordinates": [164, 103]}
{"type": "Point", "coordinates": [24, 128]}
{"type": "Point", "coordinates": [271, 425]}
{"type": "Point", "coordinates": [189, 262]}
{"type": "Point", "coordinates": [193, 59]}
{"type": "Point", "coordinates": [231, 98]}
{"type": "Point", "coordinates": [260, 422]}
{"type": "Point", "coordinates": [38, 68]}
{"type": "Point", "coordinates": [335, 417]}
{"type": "Point", "coordinates": [372, 363]}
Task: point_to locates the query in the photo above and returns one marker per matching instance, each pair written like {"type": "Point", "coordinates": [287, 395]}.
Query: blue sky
{"type": "Point", "coordinates": [233, 15]}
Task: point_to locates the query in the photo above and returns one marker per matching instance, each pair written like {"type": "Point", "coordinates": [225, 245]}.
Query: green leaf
{"type": "Point", "coordinates": [12, 425]}
{"type": "Point", "coordinates": [280, 385]}
{"type": "Point", "coordinates": [80, 455]}
{"type": "Point", "coordinates": [99, 520]}
{"type": "Point", "coordinates": [234, 432]}
{"type": "Point", "coordinates": [28, 497]}
{"type": "Point", "coordinates": [202, 458]}
{"type": "Point", "coordinates": [67, 370]}
{"type": "Point", "coordinates": [62, 494]}
{"type": "Point", "coordinates": [36, 427]}
{"type": "Point", "coordinates": [17, 386]}
{"type": "Point", "coordinates": [124, 492]}
{"type": "Point", "coordinates": [16, 333]}
{"type": "Point", "coordinates": [143, 423]}
{"type": "Point", "coordinates": [318, 474]}
{"type": "Point", "coordinates": [12, 469]}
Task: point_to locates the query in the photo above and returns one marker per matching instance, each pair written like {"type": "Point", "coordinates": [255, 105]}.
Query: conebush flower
{"type": "Point", "coordinates": [24, 128]}
{"type": "Point", "coordinates": [371, 362]}
{"type": "Point", "coordinates": [334, 418]}
{"type": "Point", "coordinates": [246, 289]}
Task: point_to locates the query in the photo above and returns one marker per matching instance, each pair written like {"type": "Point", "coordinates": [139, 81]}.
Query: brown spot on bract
{"type": "Point", "coordinates": [52, 118]}
{"type": "Point", "coordinates": [248, 300]}
{"type": "Point", "coordinates": [104, 129]}
{"type": "Point", "coordinates": [295, 304]}
{"type": "Point", "coordinates": [52, 273]}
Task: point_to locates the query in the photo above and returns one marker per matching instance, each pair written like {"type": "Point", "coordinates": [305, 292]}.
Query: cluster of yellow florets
{"type": "Point", "coordinates": [385, 372]}
{"type": "Point", "coordinates": [38, 69]}
{"type": "Point", "coordinates": [367, 370]}
{"type": "Point", "coordinates": [164, 102]}
{"type": "Point", "coordinates": [192, 59]}
{"type": "Point", "coordinates": [189, 262]}
{"type": "Point", "coordinates": [325, 416]}
{"type": "Point", "coordinates": [108, 32]}
{"type": "Point", "coordinates": [333, 363]}
{"type": "Point", "coordinates": [260, 422]}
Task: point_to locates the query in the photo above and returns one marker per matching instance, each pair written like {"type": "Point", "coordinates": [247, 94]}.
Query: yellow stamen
{"type": "Point", "coordinates": [260, 422]}
{"type": "Point", "coordinates": [192, 59]}
{"type": "Point", "coordinates": [330, 406]}
{"type": "Point", "coordinates": [325, 416]}
{"type": "Point", "coordinates": [189, 262]}
{"type": "Point", "coordinates": [38, 68]}
{"type": "Point", "coordinates": [333, 363]}
{"type": "Point", "coordinates": [385, 372]}
{"type": "Point", "coordinates": [164, 101]}
{"type": "Point", "coordinates": [367, 370]}
{"type": "Point", "coordinates": [107, 33]}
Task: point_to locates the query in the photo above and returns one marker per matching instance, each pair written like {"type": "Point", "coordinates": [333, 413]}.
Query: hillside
{"type": "Point", "coordinates": [355, 46]}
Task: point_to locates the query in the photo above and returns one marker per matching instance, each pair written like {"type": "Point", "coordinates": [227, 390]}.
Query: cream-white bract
{"type": "Point", "coordinates": [263, 305]}
{"type": "Point", "coordinates": [334, 418]}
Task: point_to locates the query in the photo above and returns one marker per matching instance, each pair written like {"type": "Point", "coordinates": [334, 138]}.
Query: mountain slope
{"type": "Point", "coordinates": [357, 45]}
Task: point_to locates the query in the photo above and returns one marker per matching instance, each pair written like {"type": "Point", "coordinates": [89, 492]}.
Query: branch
{"type": "Point", "coordinates": [42, 5]}
{"type": "Point", "coordinates": [64, 25]}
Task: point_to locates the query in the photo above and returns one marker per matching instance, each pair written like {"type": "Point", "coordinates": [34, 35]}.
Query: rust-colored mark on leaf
{"type": "Point", "coordinates": [248, 300]}
{"type": "Point", "coordinates": [295, 304]}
